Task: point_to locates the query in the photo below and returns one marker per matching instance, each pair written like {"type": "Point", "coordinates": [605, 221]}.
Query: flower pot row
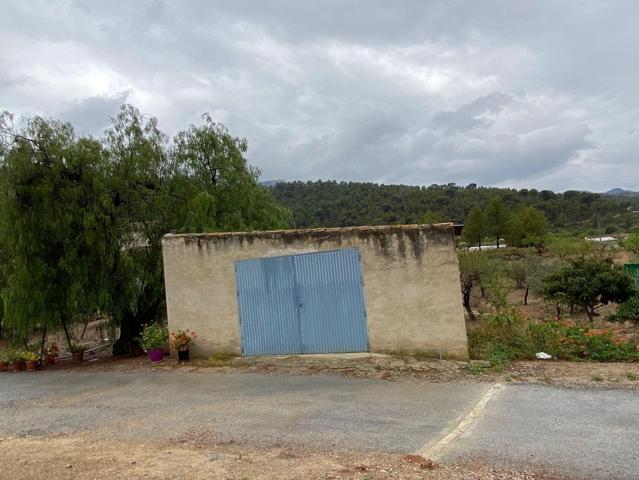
{"type": "Point", "coordinates": [156, 336]}
{"type": "Point", "coordinates": [29, 361]}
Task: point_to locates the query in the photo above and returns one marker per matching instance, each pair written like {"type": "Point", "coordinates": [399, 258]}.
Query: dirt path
{"type": "Point", "coordinates": [76, 457]}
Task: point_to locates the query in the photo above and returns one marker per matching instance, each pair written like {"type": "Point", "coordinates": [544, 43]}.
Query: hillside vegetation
{"type": "Point", "coordinates": [341, 204]}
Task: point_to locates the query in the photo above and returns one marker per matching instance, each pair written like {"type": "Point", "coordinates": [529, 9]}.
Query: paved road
{"type": "Point", "coordinates": [591, 433]}
{"type": "Point", "coordinates": [313, 410]}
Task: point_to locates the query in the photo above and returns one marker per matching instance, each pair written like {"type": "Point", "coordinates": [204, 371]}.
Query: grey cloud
{"type": "Point", "coordinates": [93, 114]}
{"type": "Point", "coordinates": [471, 115]}
{"type": "Point", "coordinates": [523, 93]}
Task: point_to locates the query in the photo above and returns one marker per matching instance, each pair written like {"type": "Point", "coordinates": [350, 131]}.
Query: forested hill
{"type": "Point", "coordinates": [332, 204]}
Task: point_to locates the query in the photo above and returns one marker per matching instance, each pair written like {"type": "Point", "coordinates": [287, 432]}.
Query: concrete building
{"type": "Point", "coordinates": [379, 289]}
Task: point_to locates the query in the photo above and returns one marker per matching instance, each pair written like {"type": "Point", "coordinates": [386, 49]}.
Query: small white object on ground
{"type": "Point", "coordinates": [543, 356]}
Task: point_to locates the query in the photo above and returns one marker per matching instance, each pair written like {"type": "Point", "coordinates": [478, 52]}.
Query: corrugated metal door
{"type": "Point", "coordinates": [331, 299]}
{"type": "Point", "coordinates": [309, 303]}
{"type": "Point", "coordinates": [269, 318]}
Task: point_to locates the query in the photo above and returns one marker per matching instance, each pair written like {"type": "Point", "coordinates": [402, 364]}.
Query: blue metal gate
{"type": "Point", "coordinates": [308, 303]}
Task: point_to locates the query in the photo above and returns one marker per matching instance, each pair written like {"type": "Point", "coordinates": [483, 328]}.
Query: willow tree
{"type": "Point", "coordinates": [50, 235]}
{"type": "Point", "coordinates": [81, 220]}
{"type": "Point", "coordinates": [199, 182]}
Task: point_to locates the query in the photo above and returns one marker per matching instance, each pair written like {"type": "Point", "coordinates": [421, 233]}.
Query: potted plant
{"type": "Point", "coordinates": [31, 360]}
{"type": "Point", "coordinates": [77, 350]}
{"type": "Point", "coordinates": [180, 341]}
{"type": "Point", "coordinates": [154, 338]}
{"type": "Point", "coordinates": [51, 353]}
{"type": "Point", "coordinates": [15, 359]}
{"type": "Point", "coordinates": [4, 364]}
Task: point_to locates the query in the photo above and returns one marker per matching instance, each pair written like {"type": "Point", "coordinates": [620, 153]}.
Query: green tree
{"type": "Point", "coordinates": [589, 284]}
{"type": "Point", "coordinates": [631, 244]}
{"type": "Point", "coordinates": [81, 220]}
{"type": "Point", "coordinates": [528, 227]}
{"type": "Point", "coordinates": [475, 270]}
{"type": "Point", "coordinates": [200, 182]}
{"type": "Point", "coordinates": [474, 227]}
{"type": "Point", "coordinates": [496, 217]}
{"type": "Point", "coordinates": [526, 273]}
{"type": "Point", "coordinates": [50, 232]}
{"type": "Point", "coordinates": [430, 217]}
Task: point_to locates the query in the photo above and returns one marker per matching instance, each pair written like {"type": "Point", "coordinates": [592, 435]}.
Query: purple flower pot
{"type": "Point", "coordinates": [156, 355]}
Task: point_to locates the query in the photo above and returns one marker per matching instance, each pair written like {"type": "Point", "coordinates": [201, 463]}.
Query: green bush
{"type": "Point", "coordinates": [154, 336]}
{"type": "Point", "coordinates": [628, 310]}
{"type": "Point", "coordinates": [597, 345]}
{"type": "Point", "coordinates": [504, 337]}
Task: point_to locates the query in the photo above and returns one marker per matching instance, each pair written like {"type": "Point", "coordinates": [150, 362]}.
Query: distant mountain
{"type": "Point", "coordinates": [620, 192]}
{"type": "Point", "coordinates": [271, 183]}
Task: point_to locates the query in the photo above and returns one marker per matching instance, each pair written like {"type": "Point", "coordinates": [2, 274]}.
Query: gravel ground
{"type": "Point", "coordinates": [72, 458]}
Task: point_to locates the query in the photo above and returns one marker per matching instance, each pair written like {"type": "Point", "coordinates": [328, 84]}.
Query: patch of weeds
{"type": "Point", "coordinates": [631, 376]}
{"type": "Point", "coordinates": [508, 378]}
{"type": "Point", "coordinates": [597, 378]}
{"type": "Point", "coordinates": [220, 359]}
{"type": "Point", "coordinates": [475, 369]}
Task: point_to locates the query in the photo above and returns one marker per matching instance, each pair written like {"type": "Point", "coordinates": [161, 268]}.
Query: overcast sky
{"type": "Point", "coordinates": [514, 93]}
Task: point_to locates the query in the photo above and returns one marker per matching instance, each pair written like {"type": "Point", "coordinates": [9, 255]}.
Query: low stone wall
{"type": "Point", "coordinates": [411, 283]}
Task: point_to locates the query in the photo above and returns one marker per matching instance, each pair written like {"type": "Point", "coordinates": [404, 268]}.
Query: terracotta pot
{"type": "Point", "coordinates": [78, 357]}
{"type": "Point", "coordinates": [32, 365]}
{"type": "Point", "coordinates": [3, 366]}
{"type": "Point", "coordinates": [18, 365]}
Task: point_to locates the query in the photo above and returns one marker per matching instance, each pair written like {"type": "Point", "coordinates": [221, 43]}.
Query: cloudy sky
{"type": "Point", "coordinates": [538, 94]}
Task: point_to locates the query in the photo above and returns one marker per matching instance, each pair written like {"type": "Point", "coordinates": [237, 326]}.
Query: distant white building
{"type": "Point", "coordinates": [601, 239]}
{"type": "Point", "coordinates": [487, 247]}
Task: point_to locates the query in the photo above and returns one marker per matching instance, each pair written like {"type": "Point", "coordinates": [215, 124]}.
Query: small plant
{"type": "Point", "coordinates": [631, 376]}
{"type": "Point", "coordinates": [475, 369]}
{"type": "Point", "coordinates": [182, 339]}
{"type": "Point", "coordinates": [597, 378]}
{"type": "Point", "coordinates": [12, 355]}
{"type": "Point", "coordinates": [52, 349]}
{"type": "Point", "coordinates": [154, 336]}
{"type": "Point", "coordinates": [28, 356]}
{"type": "Point", "coordinates": [78, 348]}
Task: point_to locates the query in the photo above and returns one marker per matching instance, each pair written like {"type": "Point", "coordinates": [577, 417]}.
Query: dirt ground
{"type": "Point", "coordinates": [62, 458]}
{"type": "Point", "coordinates": [391, 368]}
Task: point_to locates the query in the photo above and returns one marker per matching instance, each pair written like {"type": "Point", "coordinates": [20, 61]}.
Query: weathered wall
{"type": "Point", "coordinates": [411, 283]}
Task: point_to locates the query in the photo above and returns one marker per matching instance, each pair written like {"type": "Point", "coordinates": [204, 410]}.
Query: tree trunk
{"type": "Point", "coordinates": [466, 302]}
{"type": "Point", "coordinates": [66, 332]}
{"type": "Point", "coordinates": [130, 330]}
{"type": "Point", "coordinates": [526, 296]}
{"type": "Point", "coordinates": [44, 339]}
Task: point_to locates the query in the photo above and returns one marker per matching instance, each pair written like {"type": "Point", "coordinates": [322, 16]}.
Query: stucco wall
{"type": "Point", "coordinates": [411, 283]}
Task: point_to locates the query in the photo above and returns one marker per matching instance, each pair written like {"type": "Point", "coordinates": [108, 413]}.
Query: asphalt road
{"type": "Point", "coordinates": [593, 434]}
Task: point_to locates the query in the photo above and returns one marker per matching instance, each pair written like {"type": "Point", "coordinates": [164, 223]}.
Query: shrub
{"type": "Point", "coordinates": [78, 348]}
{"type": "Point", "coordinates": [597, 345]}
{"type": "Point", "coordinates": [508, 336]}
{"type": "Point", "coordinates": [628, 310]}
{"type": "Point", "coordinates": [504, 337]}
{"type": "Point", "coordinates": [154, 336]}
